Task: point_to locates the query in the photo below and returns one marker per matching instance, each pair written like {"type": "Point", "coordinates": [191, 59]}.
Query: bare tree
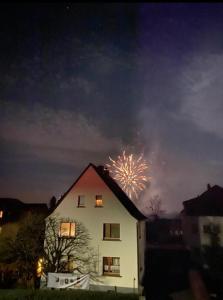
{"type": "Point", "coordinates": [67, 253]}
{"type": "Point", "coordinates": [155, 205]}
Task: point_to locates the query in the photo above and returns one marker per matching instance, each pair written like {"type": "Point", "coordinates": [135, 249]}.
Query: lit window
{"type": "Point", "coordinates": [98, 202]}
{"type": "Point", "coordinates": [111, 231]}
{"type": "Point", "coordinates": [111, 266]}
{"type": "Point", "coordinates": [81, 201]}
{"type": "Point", "coordinates": [67, 229]}
{"type": "Point", "coordinates": [1, 214]}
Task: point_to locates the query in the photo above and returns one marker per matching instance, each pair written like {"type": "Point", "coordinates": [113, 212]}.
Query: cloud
{"type": "Point", "coordinates": [56, 136]}
{"type": "Point", "coordinates": [202, 93]}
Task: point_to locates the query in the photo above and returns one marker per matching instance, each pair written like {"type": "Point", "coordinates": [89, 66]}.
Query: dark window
{"type": "Point", "coordinates": [111, 231]}
{"type": "Point", "coordinates": [81, 201]}
{"type": "Point", "coordinates": [206, 228]}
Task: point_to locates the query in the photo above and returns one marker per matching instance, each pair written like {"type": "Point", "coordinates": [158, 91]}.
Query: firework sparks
{"type": "Point", "coordinates": [129, 173]}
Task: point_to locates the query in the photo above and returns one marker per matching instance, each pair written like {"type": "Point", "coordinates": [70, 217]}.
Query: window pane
{"type": "Point", "coordinates": [81, 200]}
{"type": "Point", "coordinates": [106, 230]}
{"type": "Point", "coordinates": [72, 229]}
{"type": "Point", "coordinates": [111, 231]}
{"type": "Point", "coordinates": [115, 261]}
{"type": "Point", "coordinates": [64, 229]}
{"type": "Point", "coordinates": [115, 231]}
{"type": "Point", "coordinates": [98, 201]}
{"type": "Point", "coordinates": [67, 229]}
{"type": "Point", "coordinates": [111, 266]}
{"type": "Point", "coordinates": [105, 260]}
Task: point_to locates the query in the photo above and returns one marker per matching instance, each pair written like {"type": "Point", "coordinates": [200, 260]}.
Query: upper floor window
{"type": "Point", "coordinates": [67, 229]}
{"type": "Point", "coordinates": [111, 231]}
{"type": "Point", "coordinates": [111, 266]}
{"type": "Point", "coordinates": [98, 201]}
{"type": "Point", "coordinates": [1, 214]}
{"type": "Point", "coordinates": [81, 201]}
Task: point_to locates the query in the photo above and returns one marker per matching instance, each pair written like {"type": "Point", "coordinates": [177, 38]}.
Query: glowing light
{"type": "Point", "coordinates": [129, 173]}
{"type": "Point", "coordinates": [39, 269]}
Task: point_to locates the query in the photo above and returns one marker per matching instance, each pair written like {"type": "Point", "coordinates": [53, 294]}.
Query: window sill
{"type": "Point", "coordinates": [111, 275]}
{"type": "Point", "coordinates": [67, 237]}
{"type": "Point", "coordinates": [107, 239]}
{"type": "Point", "coordinates": [81, 206]}
{"type": "Point", "coordinates": [98, 206]}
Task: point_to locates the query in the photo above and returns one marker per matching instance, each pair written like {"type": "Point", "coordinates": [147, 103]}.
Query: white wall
{"type": "Point", "coordinates": [193, 239]}
{"type": "Point", "coordinates": [90, 185]}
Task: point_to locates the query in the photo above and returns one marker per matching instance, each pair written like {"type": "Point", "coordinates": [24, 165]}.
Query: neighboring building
{"type": "Point", "coordinates": [12, 210]}
{"type": "Point", "coordinates": [115, 225]}
{"type": "Point", "coordinates": [163, 232]}
{"type": "Point", "coordinates": [202, 215]}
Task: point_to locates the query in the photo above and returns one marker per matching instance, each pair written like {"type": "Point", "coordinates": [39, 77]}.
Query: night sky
{"type": "Point", "coordinates": [80, 83]}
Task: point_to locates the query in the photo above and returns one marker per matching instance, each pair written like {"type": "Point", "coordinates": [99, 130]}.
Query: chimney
{"type": "Point", "coordinates": [208, 186]}
{"type": "Point", "coordinates": [103, 170]}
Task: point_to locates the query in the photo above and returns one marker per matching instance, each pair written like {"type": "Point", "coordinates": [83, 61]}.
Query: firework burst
{"type": "Point", "coordinates": [129, 171]}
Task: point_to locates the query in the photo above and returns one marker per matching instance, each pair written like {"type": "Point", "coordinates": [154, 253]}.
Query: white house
{"type": "Point", "coordinates": [202, 215]}
{"type": "Point", "coordinates": [115, 225]}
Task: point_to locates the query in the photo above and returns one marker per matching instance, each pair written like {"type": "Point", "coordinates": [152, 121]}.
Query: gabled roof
{"type": "Point", "coordinates": [114, 187]}
{"type": "Point", "coordinates": [11, 203]}
{"type": "Point", "coordinates": [36, 207]}
{"type": "Point", "coordinates": [210, 203]}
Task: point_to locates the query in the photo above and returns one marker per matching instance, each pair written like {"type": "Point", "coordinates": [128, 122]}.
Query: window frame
{"type": "Point", "coordinates": [97, 203]}
{"type": "Point", "coordinates": [70, 231]}
{"type": "Point", "coordinates": [109, 238]}
{"type": "Point", "coordinates": [110, 273]}
{"type": "Point", "coordinates": [79, 205]}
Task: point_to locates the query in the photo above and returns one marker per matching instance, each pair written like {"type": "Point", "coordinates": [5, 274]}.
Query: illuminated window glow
{"type": "Point", "coordinates": [1, 214]}
{"type": "Point", "coordinates": [98, 201]}
{"type": "Point", "coordinates": [67, 229]}
{"type": "Point", "coordinates": [39, 269]}
{"type": "Point", "coordinates": [81, 201]}
{"type": "Point", "coordinates": [111, 266]}
{"type": "Point", "coordinates": [111, 231]}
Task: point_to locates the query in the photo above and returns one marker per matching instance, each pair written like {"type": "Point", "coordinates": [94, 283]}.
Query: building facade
{"type": "Point", "coordinates": [202, 218]}
{"type": "Point", "coordinates": [115, 225]}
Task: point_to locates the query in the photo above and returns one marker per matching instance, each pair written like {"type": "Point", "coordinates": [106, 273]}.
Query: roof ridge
{"type": "Point", "coordinates": [114, 187]}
